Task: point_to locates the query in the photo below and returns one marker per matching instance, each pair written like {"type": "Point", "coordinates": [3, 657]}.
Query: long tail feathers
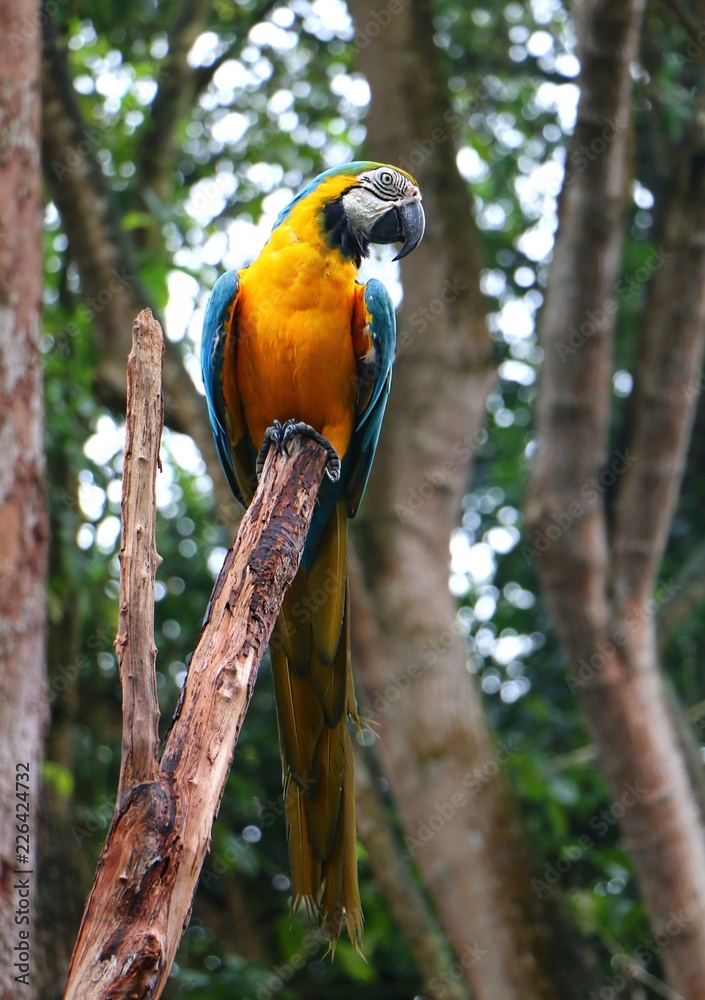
{"type": "Point", "coordinates": [315, 696]}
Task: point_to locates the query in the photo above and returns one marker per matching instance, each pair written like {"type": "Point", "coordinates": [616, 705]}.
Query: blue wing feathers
{"type": "Point", "coordinates": [218, 315]}
{"type": "Point", "coordinates": [383, 330]}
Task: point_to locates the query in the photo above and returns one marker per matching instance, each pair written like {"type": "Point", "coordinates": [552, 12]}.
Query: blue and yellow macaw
{"type": "Point", "coordinates": [292, 344]}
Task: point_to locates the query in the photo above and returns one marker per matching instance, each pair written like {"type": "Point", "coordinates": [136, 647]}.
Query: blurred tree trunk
{"type": "Point", "coordinates": [600, 578]}
{"type": "Point", "coordinates": [23, 523]}
{"type": "Point", "coordinates": [444, 770]}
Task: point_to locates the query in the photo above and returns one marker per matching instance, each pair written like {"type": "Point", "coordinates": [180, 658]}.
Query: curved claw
{"type": "Point", "coordinates": [293, 427]}
{"type": "Point", "coordinates": [274, 435]}
{"type": "Point", "coordinates": [280, 435]}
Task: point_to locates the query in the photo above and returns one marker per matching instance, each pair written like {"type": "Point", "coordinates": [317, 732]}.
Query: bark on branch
{"type": "Point", "coordinates": [142, 894]}
{"type": "Point", "coordinates": [139, 561]}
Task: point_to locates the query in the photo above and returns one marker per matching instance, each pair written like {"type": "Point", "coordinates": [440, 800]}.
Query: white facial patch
{"type": "Point", "coordinates": [364, 208]}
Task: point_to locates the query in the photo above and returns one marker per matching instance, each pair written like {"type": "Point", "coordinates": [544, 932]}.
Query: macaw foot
{"type": "Point", "coordinates": [280, 434]}
{"type": "Point", "coordinates": [294, 427]}
{"type": "Point", "coordinates": [273, 435]}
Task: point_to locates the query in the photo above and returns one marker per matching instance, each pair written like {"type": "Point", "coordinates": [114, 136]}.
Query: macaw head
{"type": "Point", "coordinates": [362, 203]}
{"type": "Point", "coordinates": [382, 206]}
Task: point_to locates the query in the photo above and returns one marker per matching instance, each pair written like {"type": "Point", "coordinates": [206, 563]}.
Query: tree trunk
{"type": "Point", "coordinates": [23, 522]}
{"type": "Point", "coordinates": [600, 584]}
{"type": "Point", "coordinates": [443, 767]}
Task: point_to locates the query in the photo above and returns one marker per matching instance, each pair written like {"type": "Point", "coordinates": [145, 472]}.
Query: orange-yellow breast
{"type": "Point", "coordinates": [299, 330]}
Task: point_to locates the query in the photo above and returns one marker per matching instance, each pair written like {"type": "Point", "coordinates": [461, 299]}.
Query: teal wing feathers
{"type": "Point", "coordinates": [219, 349]}
{"type": "Point", "coordinates": [383, 330]}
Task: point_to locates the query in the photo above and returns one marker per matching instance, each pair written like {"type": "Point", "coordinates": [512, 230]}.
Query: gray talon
{"type": "Point", "coordinates": [274, 435]}
{"type": "Point", "coordinates": [281, 434]}
{"type": "Point", "coordinates": [299, 427]}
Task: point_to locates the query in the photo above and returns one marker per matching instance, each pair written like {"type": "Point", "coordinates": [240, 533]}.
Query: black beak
{"type": "Point", "coordinates": [402, 224]}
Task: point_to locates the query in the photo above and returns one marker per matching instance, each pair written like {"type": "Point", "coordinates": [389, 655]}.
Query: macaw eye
{"type": "Point", "coordinates": [386, 178]}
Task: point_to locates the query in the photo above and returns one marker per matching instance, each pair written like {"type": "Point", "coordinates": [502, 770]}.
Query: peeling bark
{"type": "Point", "coordinates": [139, 560]}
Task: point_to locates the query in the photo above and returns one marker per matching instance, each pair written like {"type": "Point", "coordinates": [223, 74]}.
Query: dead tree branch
{"type": "Point", "coordinates": [141, 898]}
{"type": "Point", "coordinates": [139, 561]}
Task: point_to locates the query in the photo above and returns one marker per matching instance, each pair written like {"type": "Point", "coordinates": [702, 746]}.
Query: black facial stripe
{"type": "Point", "coordinates": [352, 244]}
{"type": "Point", "coordinates": [386, 192]}
{"type": "Point", "coordinates": [382, 191]}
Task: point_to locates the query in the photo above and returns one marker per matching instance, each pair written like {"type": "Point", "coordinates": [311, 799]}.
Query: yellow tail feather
{"type": "Point", "coordinates": [294, 624]}
{"type": "Point", "coordinates": [323, 807]}
{"type": "Point", "coordinates": [300, 722]}
{"type": "Point", "coordinates": [305, 866]}
{"type": "Point", "coordinates": [327, 578]}
{"type": "Point", "coordinates": [314, 702]}
{"type": "Point", "coordinates": [330, 682]}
